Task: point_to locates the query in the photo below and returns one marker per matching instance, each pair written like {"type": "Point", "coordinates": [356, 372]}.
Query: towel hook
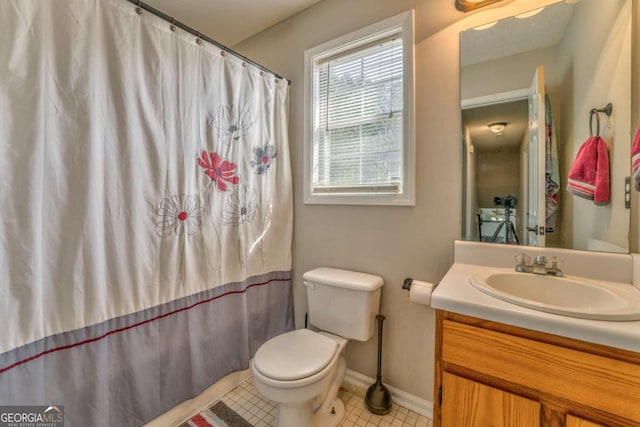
{"type": "Point", "coordinates": [607, 109]}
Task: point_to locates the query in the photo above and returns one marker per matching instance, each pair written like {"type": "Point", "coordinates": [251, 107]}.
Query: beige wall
{"type": "Point", "coordinates": [510, 73]}
{"type": "Point", "coordinates": [589, 84]}
{"type": "Point", "coordinates": [497, 174]}
{"type": "Point", "coordinates": [393, 242]}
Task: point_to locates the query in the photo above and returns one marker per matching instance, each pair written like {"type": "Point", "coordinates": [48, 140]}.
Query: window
{"type": "Point", "coordinates": [359, 117]}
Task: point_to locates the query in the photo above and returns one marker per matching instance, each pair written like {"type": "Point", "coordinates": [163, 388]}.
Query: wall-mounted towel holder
{"type": "Point", "coordinates": [607, 109]}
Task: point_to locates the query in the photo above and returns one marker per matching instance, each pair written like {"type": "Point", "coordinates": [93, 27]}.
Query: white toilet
{"type": "Point", "coordinates": [302, 370]}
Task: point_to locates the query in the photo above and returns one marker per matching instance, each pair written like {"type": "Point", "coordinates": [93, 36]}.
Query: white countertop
{"type": "Point", "coordinates": [456, 294]}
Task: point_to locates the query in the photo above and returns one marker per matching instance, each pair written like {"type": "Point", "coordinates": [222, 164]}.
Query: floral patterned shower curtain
{"type": "Point", "coordinates": [146, 208]}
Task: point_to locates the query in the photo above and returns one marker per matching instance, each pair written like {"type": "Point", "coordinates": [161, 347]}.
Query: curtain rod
{"type": "Point", "coordinates": [198, 34]}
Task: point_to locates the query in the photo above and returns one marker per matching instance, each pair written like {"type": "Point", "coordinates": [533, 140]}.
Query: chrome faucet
{"type": "Point", "coordinates": [539, 265]}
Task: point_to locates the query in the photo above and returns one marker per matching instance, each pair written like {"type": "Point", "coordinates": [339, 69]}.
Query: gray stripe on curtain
{"type": "Point", "coordinates": [128, 370]}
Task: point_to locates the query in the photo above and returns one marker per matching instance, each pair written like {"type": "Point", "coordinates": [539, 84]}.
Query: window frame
{"type": "Point", "coordinates": [362, 38]}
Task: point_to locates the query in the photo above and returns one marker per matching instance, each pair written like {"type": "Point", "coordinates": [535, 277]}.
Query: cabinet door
{"type": "Point", "coordinates": [579, 422]}
{"type": "Point", "coordinates": [471, 404]}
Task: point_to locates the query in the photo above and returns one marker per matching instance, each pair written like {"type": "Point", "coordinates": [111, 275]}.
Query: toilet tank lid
{"type": "Point", "coordinates": [344, 278]}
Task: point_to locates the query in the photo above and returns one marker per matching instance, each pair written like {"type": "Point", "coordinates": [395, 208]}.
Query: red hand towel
{"type": "Point", "coordinates": [589, 174]}
{"type": "Point", "coordinates": [635, 160]}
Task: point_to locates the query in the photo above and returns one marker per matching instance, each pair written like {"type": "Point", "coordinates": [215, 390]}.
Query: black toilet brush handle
{"type": "Point", "coordinates": [380, 319]}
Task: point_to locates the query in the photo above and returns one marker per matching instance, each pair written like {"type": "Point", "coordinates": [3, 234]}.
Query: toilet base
{"type": "Point", "coordinates": [325, 418]}
{"type": "Point", "coordinates": [302, 416]}
{"type": "Point", "coordinates": [295, 415]}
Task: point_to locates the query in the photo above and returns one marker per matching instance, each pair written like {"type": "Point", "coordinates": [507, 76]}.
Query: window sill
{"type": "Point", "coordinates": [360, 199]}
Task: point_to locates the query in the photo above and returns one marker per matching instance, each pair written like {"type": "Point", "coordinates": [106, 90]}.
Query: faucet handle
{"type": "Point", "coordinates": [523, 259]}
{"type": "Point", "coordinates": [555, 267]}
{"type": "Point", "coordinates": [555, 262]}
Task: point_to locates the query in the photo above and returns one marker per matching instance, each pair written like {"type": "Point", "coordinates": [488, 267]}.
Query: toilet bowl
{"type": "Point", "coordinates": [301, 371]}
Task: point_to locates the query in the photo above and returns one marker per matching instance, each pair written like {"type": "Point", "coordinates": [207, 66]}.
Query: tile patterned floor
{"type": "Point", "coordinates": [247, 402]}
{"type": "Point", "coordinates": [357, 414]}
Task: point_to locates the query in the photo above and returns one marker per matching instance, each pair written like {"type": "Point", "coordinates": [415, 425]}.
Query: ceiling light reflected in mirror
{"type": "Point", "coordinates": [498, 128]}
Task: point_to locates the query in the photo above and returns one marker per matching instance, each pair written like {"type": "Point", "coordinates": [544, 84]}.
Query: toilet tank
{"type": "Point", "coordinates": [343, 302]}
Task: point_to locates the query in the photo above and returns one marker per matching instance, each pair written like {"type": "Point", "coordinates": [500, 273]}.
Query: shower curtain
{"type": "Point", "coordinates": [146, 204]}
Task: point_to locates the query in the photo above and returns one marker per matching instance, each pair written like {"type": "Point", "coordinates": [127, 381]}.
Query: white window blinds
{"type": "Point", "coordinates": [357, 120]}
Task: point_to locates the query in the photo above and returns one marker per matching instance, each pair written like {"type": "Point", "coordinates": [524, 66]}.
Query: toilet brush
{"type": "Point", "coordinates": [378, 398]}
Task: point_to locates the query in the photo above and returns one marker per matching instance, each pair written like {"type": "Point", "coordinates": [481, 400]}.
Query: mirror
{"type": "Point", "coordinates": [538, 76]}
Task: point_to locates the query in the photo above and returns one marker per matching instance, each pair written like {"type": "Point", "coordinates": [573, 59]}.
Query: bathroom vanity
{"type": "Point", "coordinates": [494, 374]}
{"type": "Point", "coordinates": [502, 364]}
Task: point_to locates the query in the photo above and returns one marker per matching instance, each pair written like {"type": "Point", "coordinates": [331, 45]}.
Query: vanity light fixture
{"type": "Point", "coordinates": [469, 5]}
{"type": "Point", "coordinates": [498, 128]}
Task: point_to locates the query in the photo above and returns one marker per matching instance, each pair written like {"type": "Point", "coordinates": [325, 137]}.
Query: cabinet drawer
{"type": "Point", "coordinates": [609, 385]}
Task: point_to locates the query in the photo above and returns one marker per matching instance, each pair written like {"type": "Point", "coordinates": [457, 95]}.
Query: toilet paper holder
{"type": "Point", "coordinates": [419, 292]}
{"type": "Point", "coordinates": [406, 285]}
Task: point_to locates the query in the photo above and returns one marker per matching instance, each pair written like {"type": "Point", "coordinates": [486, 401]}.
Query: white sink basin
{"type": "Point", "coordinates": [568, 296]}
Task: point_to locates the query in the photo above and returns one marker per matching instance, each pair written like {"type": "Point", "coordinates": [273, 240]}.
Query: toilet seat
{"type": "Point", "coordinates": [295, 355]}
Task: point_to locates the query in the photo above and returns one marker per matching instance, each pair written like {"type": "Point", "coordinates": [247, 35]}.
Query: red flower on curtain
{"type": "Point", "coordinates": [220, 171]}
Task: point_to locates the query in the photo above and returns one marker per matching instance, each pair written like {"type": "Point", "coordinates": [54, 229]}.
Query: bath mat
{"type": "Point", "coordinates": [218, 415]}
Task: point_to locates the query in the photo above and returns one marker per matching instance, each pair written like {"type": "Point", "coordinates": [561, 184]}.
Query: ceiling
{"type": "Point", "coordinates": [515, 114]}
{"type": "Point", "coordinates": [230, 21]}
{"type": "Point", "coordinates": [511, 36]}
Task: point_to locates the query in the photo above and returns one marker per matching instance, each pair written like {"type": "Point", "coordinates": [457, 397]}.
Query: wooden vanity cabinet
{"type": "Point", "coordinates": [493, 374]}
